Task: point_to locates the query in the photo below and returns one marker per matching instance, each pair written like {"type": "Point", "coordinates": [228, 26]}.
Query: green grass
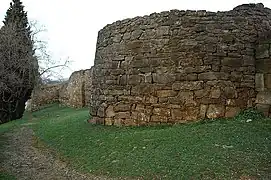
{"type": "Point", "coordinates": [221, 149]}
{"type": "Point", "coordinates": [6, 176]}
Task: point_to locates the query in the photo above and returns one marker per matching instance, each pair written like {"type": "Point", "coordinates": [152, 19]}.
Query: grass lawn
{"type": "Point", "coordinates": [6, 176]}
{"type": "Point", "coordinates": [221, 149]}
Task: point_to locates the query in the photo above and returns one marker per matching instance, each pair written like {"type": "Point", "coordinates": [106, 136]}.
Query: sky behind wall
{"type": "Point", "coordinates": [73, 25]}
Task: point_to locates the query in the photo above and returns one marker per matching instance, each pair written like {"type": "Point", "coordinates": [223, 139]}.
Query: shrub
{"type": "Point", "coordinates": [250, 114]}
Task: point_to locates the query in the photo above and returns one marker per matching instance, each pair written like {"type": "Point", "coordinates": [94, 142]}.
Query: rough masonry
{"type": "Point", "coordinates": [45, 94]}
{"type": "Point", "coordinates": [178, 66]}
{"type": "Point", "coordinates": [74, 93]}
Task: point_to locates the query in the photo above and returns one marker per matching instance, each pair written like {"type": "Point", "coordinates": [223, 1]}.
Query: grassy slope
{"type": "Point", "coordinates": [223, 149]}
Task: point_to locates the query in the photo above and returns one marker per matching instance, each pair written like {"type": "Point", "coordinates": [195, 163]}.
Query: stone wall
{"type": "Point", "coordinates": [179, 66]}
{"type": "Point", "coordinates": [74, 93]}
{"type": "Point", "coordinates": [45, 94]}
{"type": "Point", "coordinates": [263, 75]}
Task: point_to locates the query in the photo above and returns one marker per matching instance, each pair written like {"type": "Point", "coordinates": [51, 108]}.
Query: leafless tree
{"type": "Point", "coordinates": [48, 66]}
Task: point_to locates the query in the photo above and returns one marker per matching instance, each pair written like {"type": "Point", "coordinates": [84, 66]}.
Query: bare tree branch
{"type": "Point", "coordinates": [48, 67]}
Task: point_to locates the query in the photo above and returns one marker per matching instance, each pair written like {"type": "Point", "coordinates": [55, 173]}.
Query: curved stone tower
{"type": "Point", "coordinates": [178, 66]}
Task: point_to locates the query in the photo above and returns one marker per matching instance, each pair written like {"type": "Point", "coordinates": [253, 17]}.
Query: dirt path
{"type": "Point", "coordinates": [27, 162]}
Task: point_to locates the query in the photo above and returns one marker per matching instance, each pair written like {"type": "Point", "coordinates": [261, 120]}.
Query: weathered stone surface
{"type": "Point", "coordinates": [187, 114]}
{"type": "Point", "coordinates": [155, 118]}
{"type": "Point", "coordinates": [122, 115]}
{"type": "Point", "coordinates": [248, 60]}
{"type": "Point", "coordinates": [262, 51]}
{"type": "Point", "coordinates": [134, 79]}
{"type": "Point", "coordinates": [230, 92]}
{"type": "Point", "coordinates": [101, 111]}
{"type": "Point", "coordinates": [118, 122]}
{"type": "Point", "coordinates": [232, 61]}
{"type": "Point", "coordinates": [176, 66]}
{"type": "Point", "coordinates": [163, 78]}
{"type": "Point", "coordinates": [202, 93]}
{"type": "Point", "coordinates": [264, 97]}
{"type": "Point", "coordinates": [110, 111]}
{"type": "Point", "coordinates": [264, 108]}
{"type": "Point", "coordinates": [141, 116]}
{"type": "Point", "coordinates": [259, 81]}
{"type": "Point", "coordinates": [212, 76]}
{"type": "Point", "coordinates": [45, 94]}
{"type": "Point", "coordinates": [188, 85]}
{"type": "Point", "coordinates": [161, 112]}
{"type": "Point", "coordinates": [76, 92]}
{"type": "Point", "coordinates": [166, 93]}
{"type": "Point", "coordinates": [121, 107]}
{"type": "Point", "coordinates": [203, 110]}
{"type": "Point", "coordinates": [215, 111]}
{"type": "Point", "coordinates": [267, 81]}
{"type": "Point", "coordinates": [109, 121]}
{"type": "Point", "coordinates": [215, 93]}
{"type": "Point", "coordinates": [97, 120]}
{"type": "Point", "coordinates": [232, 111]}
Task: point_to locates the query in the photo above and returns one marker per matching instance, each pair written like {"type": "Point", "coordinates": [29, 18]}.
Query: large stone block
{"type": "Point", "coordinates": [166, 93]}
{"type": "Point", "coordinates": [122, 107]}
{"type": "Point", "coordinates": [248, 60]}
{"type": "Point", "coordinates": [202, 93]}
{"type": "Point", "coordinates": [232, 61]}
{"type": "Point", "coordinates": [163, 78]}
{"type": "Point", "coordinates": [187, 114]}
{"type": "Point", "coordinates": [259, 81]}
{"type": "Point", "coordinates": [267, 81]}
{"type": "Point", "coordinates": [203, 110]}
{"type": "Point", "coordinates": [122, 115]}
{"type": "Point", "coordinates": [213, 76]}
{"type": "Point", "coordinates": [151, 99]}
{"type": "Point", "coordinates": [232, 111]}
{"type": "Point", "coordinates": [159, 119]}
{"type": "Point", "coordinates": [263, 65]}
{"type": "Point", "coordinates": [109, 121]}
{"type": "Point", "coordinates": [230, 92]}
{"type": "Point", "coordinates": [215, 93]}
{"type": "Point", "coordinates": [263, 97]}
{"type": "Point", "coordinates": [264, 108]}
{"type": "Point", "coordinates": [161, 112]}
{"type": "Point", "coordinates": [143, 89]}
{"type": "Point", "coordinates": [185, 98]}
{"type": "Point", "coordinates": [188, 85]}
{"type": "Point", "coordinates": [215, 111]}
{"type": "Point", "coordinates": [101, 111]}
{"type": "Point", "coordinates": [134, 79]}
{"type": "Point", "coordinates": [262, 51]}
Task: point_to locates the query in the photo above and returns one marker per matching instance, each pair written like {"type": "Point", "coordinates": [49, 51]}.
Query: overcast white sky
{"type": "Point", "coordinates": [72, 25]}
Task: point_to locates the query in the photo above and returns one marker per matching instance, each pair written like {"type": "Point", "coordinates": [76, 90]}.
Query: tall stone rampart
{"type": "Point", "coordinates": [179, 66]}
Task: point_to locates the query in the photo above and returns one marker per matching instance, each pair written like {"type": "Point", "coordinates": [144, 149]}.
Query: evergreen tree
{"type": "Point", "coordinates": [19, 64]}
{"type": "Point", "coordinates": [17, 18]}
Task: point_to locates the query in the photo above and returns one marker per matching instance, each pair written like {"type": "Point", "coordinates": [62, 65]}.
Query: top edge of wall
{"type": "Point", "coordinates": [243, 7]}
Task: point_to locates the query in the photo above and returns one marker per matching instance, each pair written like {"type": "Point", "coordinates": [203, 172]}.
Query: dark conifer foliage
{"type": "Point", "coordinates": [19, 67]}
{"type": "Point", "coordinates": [17, 18]}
